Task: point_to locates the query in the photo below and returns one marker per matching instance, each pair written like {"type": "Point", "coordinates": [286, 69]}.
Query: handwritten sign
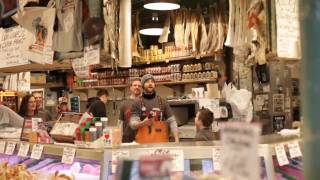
{"type": "Point", "coordinates": [239, 159]}
{"type": "Point", "coordinates": [176, 155]}
{"type": "Point", "coordinates": [37, 151]}
{"type": "Point", "coordinates": [68, 155]}
{"type": "Point", "coordinates": [81, 68]}
{"type": "Point", "coordinates": [11, 146]}
{"type": "Point", "coordinates": [2, 146]}
{"type": "Point", "coordinates": [116, 156]}
{"type": "Point", "coordinates": [23, 150]}
{"type": "Point", "coordinates": [212, 105]}
{"type": "Point", "coordinates": [288, 29]}
{"type": "Point", "coordinates": [92, 55]}
{"type": "Point", "coordinates": [14, 44]}
{"type": "Point", "coordinates": [216, 158]}
{"type": "Point", "coordinates": [281, 154]}
{"type": "Point", "coordinates": [294, 149]}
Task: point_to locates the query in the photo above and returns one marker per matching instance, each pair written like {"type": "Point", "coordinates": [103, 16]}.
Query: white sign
{"type": "Point", "coordinates": [216, 158]}
{"type": "Point", "coordinates": [281, 154]}
{"type": "Point", "coordinates": [212, 105]}
{"type": "Point", "coordinates": [176, 155]}
{"type": "Point", "coordinates": [37, 151]}
{"type": "Point", "coordinates": [288, 29]}
{"type": "Point", "coordinates": [81, 68]}
{"type": "Point", "coordinates": [116, 156]}
{"type": "Point", "coordinates": [68, 155]}
{"type": "Point", "coordinates": [239, 159]}
{"type": "Point", "coordinates": [35, 124]}
{"type": "Point", "coordinates": [11, 146]}
{"type": "Point", "coordinates": [23, 150]}
{"type": "Point", "coordinates": [2, 146]}
{"type": "Point", "coordinates": [14, 44]}
{"type": "Point", "coordinates": [294, 149]}
{"type": "Point", "coordinates": [92, 55]}
{"type": "Point", "coordinates": [24, 83]}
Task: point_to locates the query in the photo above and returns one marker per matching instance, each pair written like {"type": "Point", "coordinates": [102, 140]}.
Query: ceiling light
{"type": "Point", "coordinates": [151, 31]}
{"type": "Point", "coordinates": [161, 5]}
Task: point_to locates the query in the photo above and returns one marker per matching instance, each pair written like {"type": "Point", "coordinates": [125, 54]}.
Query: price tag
{"type": "Point", "coordinates": [23, 150]}
{"type": "Point", "coordinates": [116, 156]}
{"type": "Point", "coordinates": [37, 151]}
{"type": "Point", "coordinates": [294, 149]}
{"type": "Point", "coordinates": [281, 154]}
{"type": "Point", "coordinates": [92, 55]}
{"type": "Point", "coordinates": [2, 146]}
{"type": "Point", "coordinates": [11, 146]}
{"type": "Point", "coordinates": [68, 155]}
{"type": "Point", "coordinates": [35, 123]}
{"type": "Point", "coordinates": [216, 154]}
{"type": "Point", "coordinates": [239, 159]}
{"type": "Point", "coordinates": [176, 155]}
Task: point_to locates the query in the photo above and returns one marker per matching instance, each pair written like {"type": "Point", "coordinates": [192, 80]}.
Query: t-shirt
{"type": "Point", "coordinates": [124, 116]}
{"type": "Point", "coordinates": [98, 109]}
{"type": "Point", "coordinates": [205, 134]}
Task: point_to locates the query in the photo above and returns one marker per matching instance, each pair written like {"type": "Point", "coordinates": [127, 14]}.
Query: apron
{"type": "Point", "coordinates": [158, 131]}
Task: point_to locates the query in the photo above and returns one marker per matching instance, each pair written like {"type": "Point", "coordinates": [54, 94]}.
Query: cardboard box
{"type": "Point", "coordinates": [38, 78]}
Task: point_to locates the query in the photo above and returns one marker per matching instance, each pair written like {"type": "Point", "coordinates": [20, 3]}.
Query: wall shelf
{"type": "Point", "coordinates": [57, 65]}
{"type": "Point", "coordinates": [157, 83]}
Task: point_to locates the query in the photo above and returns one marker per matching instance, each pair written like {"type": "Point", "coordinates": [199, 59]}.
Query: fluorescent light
{"type": "Point", "coordinates": [151, 31]}
{"type": "Point", "coordinates": [161, 6]}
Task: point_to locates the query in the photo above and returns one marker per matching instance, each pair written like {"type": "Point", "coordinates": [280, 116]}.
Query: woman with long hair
{"type": "Point", "coordinates": [28, 107]}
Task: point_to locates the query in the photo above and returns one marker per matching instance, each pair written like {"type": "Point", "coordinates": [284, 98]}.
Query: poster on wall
{"type": "Point", "coordinates": [39, 21]}
{"type": "Point", "coordinates": [288, 29]}
{"type": "Point", "coordinates": [14, 44]}
{"type": "Point", "coordinates": [38, 93]}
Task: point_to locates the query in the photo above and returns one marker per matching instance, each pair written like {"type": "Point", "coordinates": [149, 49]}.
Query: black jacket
{"type": "Point", "coordinates": [96, 107]}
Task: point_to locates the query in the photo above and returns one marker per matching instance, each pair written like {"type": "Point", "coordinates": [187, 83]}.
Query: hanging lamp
{"type": "Point", "coordinates": [153, 27]}
{"type": "Point", "coordinates": [161, 5]}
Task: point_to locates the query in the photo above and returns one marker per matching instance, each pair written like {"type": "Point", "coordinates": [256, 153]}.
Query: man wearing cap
{"type": "Point", "coordinates": [128, 134]}
{"type": "Point", "coordinates": [152, 116]}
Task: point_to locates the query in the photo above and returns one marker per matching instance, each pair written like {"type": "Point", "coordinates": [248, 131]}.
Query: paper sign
{"type": "Point", "coordinates": [37, 151]}
{"type": "Point", "coordinates": [23, 150]}
{"type": "Point", "coordinates": [2, 146]}
{"type": "Point", "coordinates": [92, 55]}
{"type": "Point", "coordinates": [281, 154]}
{"type": "Point", "coordinates": [294, 149]}
{"type": "Point", "coordinates": [240, 151]}
{"type": "Point", "coordinates": [288, 28]}
{"type": "Point", "coordinates": [116, 156]}
{"type": "Point", "coordinates": [176, 155]}
{"type": "Point", "coordinates": [68, 155]}
{"type": "Point", "coordinates": [216, 154]}
{"type": "Point", "coordinates": [81, 68]}
{"type": "Point", "coordinates": [11, 146]}
{"type": "Point", "coordinates": [14, 44]}
{"type": "Point", "coordinates": [35, 124]}
{"type": "Point", "coordinates": [212, 105]}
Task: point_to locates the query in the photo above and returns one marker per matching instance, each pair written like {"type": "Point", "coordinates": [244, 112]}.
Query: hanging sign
{"type": "Point", "coordinates": [288, 29]}
{"type": "Point", "coordinates": [239, 159]}
{"type": "Point", "coordinates": [92, 55]}
{"type": "Point", "coordinates": [13, 46]}
{"type": "Point", "coordinates": [81, 68]}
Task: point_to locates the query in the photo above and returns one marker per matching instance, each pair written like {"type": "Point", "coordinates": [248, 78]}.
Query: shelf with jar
{"type": "Point", "coordinates": [169, 53]}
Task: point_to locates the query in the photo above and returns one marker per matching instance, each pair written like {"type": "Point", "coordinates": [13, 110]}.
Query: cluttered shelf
{"type": "Point", "coordinates": [158, 83]}
{"type": "Point", "coordinates": [57, 150]}
{"type": "Point", "coordinates": [181, 58]}
{"type": "Point", "coordinates": [56, 65]}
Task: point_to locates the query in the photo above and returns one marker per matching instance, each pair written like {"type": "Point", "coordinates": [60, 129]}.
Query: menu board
{"type": "Point", "coordinates": [14, 44]}
{"type": "Point", "coordinates": [288, 29]}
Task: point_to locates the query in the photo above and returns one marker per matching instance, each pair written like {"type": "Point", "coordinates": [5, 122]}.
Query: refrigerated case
{"type": "Point", "coordinates": [198, 158]}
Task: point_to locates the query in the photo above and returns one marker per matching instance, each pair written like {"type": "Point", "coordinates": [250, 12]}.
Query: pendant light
{"type": "Point", "coordinates": [161, 5]}
{"type": "Point", "coordinates": [153, 27]}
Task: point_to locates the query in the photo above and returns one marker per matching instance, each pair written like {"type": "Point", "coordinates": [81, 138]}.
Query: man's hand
{"type": "Point", "coordinates": [146, 122]}
{"type": "Point", "coordinates": [176, 136]}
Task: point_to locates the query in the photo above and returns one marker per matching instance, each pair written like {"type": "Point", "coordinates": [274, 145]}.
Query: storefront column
{"type": "Point", "coordinates": [310, 85]}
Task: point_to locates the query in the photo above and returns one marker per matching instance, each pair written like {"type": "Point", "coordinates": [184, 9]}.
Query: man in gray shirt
{"type": "Point", "coordinates": [148, 111]}
{"type": "Point", "coordinates": [128, 134]}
